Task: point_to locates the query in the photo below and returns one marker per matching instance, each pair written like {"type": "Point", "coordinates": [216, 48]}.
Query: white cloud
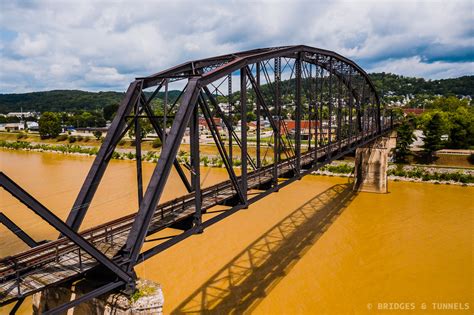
{"type": "Point", "coordinates": [105, 45]}
{"type": "Point", "coordinates": [104, 75]}
{"type": "Point", "coordinates": [414, 66]}
{"type": "Point", "coordinates": [31, 46]}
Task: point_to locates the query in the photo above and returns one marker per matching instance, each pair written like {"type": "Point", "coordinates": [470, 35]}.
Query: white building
{"type": "Point", "coordinates": [22, 114]}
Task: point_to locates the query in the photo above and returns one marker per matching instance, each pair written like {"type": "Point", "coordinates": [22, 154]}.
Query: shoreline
{"type": "Point", "coordinates": [215, 162]}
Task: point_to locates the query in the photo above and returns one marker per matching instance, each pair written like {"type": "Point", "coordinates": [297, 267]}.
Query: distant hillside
{"type": "Point", "coordinates": [400, 85]}
{"type": "Point", "coordinates": [71, 100]}
{"type": "Point", "coordinates": [58, 100]}
{"type": "Point", "coordinates": [64, 100]}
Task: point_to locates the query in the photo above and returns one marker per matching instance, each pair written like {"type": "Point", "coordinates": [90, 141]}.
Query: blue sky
{"type": "Point", "coordinates": [103, 45]}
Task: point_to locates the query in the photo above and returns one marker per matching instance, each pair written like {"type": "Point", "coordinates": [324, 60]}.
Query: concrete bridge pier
{"type": "Point", "coordinates": [148, 299]}
{"type": "Point", "coordinates": [371, 164]}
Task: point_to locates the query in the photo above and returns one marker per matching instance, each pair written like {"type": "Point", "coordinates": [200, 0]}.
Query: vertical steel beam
{"type": "Point", "coordinates": [321, 108]}
{"type": "Point", "coordinates": [138, 155]}
{"type": "Point", "coordinates": [230, 128]}
{"type": "Point", "coordinates": [330, 108]}
{"type": "Point", "coordinates": [276, 140]}
{"type": "Point", "coordinates": [259, 162]}
{"type": "Point", "coordinates": [351, 108]}
{"type": "Point", "coordinates": [298, 114]}
{"type": "Point", "coordinates": [317, 119]}
{"type": "Point", "coordinates": [165, 106]}
{"type": "Point", "coordinates": [310, 105]}
{"type": "Point", "coordinates": [243, 131]}
{"type": "Point", "coordinates": [195, 168]}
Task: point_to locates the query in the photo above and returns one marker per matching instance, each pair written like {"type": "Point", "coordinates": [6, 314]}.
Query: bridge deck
{"type": "Point", "coordinates": [56, 261]}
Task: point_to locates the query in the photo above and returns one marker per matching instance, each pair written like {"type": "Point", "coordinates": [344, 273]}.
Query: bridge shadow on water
{"type": "Point", "coordinates": [243, 282]}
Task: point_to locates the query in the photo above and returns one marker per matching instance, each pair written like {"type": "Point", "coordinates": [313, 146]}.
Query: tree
{"type": "Point", "coordinates": [433, 130]}
{"type": "Point", "coordinates": [109, 111]}
{"type": "Point", "coordinates": [461, 132]}
{"type": "Point", "coordinates": [49, 125]}
{"type": "Point", "coordinates": [405, 138]}
{"type": "Point", "coordinates": [145, 128]}
{"type": "Point", "coordinates": [97, 134]}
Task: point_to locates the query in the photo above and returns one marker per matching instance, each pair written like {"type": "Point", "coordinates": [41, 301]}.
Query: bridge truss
{"type": "Point", "coordinates": [332, 101]}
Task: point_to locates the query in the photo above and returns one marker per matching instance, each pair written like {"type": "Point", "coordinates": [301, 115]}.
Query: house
{"type": "Point", "coordinates": [32, 126]}
{"type": "Point", "coordinates": [90, 130]}
{"type": "Point", "coordinates": [14, 126]}
{"type": "Point", "coordinates": [203, 123]}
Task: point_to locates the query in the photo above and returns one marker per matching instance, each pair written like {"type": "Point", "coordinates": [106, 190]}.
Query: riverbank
{"type": "Point", "coordinates": [119, 154]}
{"type": "Point", "coordinates": [411, 173]}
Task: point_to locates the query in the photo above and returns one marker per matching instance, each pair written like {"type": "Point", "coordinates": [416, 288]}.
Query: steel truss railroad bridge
{"type": "Point", "coordinates": [332, 94]}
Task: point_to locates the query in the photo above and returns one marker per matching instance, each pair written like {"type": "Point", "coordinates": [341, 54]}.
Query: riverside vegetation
{"type": "Point", "coordinates": [395, 171]}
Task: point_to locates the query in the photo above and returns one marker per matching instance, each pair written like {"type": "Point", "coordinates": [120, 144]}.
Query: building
{"type": "Point", "coordinates": [22, 114]}
{"type": "Point", "coordinates": [90, 131]}
{"type": "Point", "coordinates": [14, 126]}
{"type": "Point", "coordinates": [204, 126]}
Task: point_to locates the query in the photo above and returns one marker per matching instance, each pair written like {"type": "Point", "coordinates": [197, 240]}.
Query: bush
{"type": "Point", "coordinates": [72, 139]}
{"type": "Point", "coordinates": [80, 138]}
{"type": "Point", "coordinates": [97, 134]}
{"type": "Point", "coordinates": [121, 142]}
{"type": "Point", "coordinates": [62, 138]}
{"type": "Point", "coordinates": [86, 139]}
{"type": "Point", "coordinates": [205, 160]}
{"type": "Point", "coordinates": [156, 143]}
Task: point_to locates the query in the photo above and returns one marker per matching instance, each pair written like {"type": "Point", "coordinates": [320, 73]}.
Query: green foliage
{"type": "Point", "coordinates": [58, 101]}
{"type": "Point", "coordinates": [49, 125]}
{"type": "Point", "coordinates": [72, 139]}
{"type": "Point", "coordinates": [433, 129]}
{"type": "Point", "coordinates": [145, 128]}
{"type": "Point", "coordinates": [71, 100]}
{"type": "Point", "coordinates": [461, 132]}
{"type": "Point", "coordinates": [141, 292]}
{"type": "Point", "coordinates": [448, 104]}
{"type": "Point", "coordinates": [339, 168]}
{"type": "Point", "coordinates": [400, 85]}
{"type": "Point", "coordinates": [109, 111]}
{"type": "Point", "coordinates": [419, 173]}
{"type": "Point", "coordinates": [97, 134]}
{"type": "Point", "coordinates": [405, 138]}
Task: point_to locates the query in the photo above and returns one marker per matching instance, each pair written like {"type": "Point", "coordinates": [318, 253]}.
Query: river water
{"type": "Point", "coordinates": [312, 248]}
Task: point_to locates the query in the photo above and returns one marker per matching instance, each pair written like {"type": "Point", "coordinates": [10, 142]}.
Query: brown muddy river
{"type": "Point", "coordinates": [312, 248]}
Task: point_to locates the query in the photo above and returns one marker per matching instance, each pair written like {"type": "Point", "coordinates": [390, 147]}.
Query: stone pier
{"type": "Point", "coordinates": [147, 300]}
{"type": "Point", "coordinates": [371, 163]}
